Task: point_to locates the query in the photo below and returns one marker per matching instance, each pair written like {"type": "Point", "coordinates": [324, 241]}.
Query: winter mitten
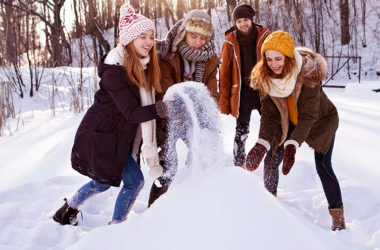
{"type": "Point", "coordinates": [289, 155]}
{"type": "Point", "coordinates": [151, 159]}
{"type": "Point", "coordinates": [156, 171]}
{"type": "Point", "coordinates": [162, 109]}
{"type": "Point", "coordinates": [255, 156]}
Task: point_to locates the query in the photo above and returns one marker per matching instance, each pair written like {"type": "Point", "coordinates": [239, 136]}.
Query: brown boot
{"type": "Point", "coordinates": [156, 192]}
{"type": "Point", "coordinates": [337, 219]}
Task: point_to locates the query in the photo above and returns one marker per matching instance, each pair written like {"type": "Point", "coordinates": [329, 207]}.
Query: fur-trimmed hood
{"type": "Point", "coordinates": [314, 67]}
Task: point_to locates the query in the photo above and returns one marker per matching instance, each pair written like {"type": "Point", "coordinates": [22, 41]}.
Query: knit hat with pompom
{"type": "Point", "coordinates": [280, 41]}
{"type": "Point", "coordinates": [131, 25]}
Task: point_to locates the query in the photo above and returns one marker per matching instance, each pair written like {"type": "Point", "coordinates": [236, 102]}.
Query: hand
{"type": "Point", "coordinates": [289, 155]}
{"type": "Point", "coordinates": [255, 156]}
{"type": "Point", "coordinates": [156, 171]}
{"type": "Point", "coordinates": [162, 109]}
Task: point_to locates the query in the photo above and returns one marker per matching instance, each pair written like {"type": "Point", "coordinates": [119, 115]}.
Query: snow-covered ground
{"type": "Point", "coordinates": [222, 208]}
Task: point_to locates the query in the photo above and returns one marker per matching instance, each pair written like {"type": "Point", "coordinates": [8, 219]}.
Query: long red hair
{"type": "Point", "coordinates": [262, 74]}
{"type": "Point", "coordinates": [136, 72]}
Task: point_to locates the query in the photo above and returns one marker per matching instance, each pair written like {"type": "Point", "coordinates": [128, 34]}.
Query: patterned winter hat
{"type": "Point", "coordinates": [131, 25]}
{"type": "Point", "coordinates": [196, 21]}
{"type": "Point", "coordinates": [280, 41]}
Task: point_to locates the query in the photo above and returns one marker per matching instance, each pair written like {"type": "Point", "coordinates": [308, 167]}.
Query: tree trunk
{"type": "Point", "coordinates": [363, 6]}
{"type": "Point", "coordinates": [344, 22]}
{"type": "Point", "coordinates": [180, 9]}
{"type": "Point", "coordinates": [116, 21]}
{"type": "Point", "coordinates": [136, 5]}
{"type": "Point", "coordinates": [146, 9]}
{"type": "Point", "coordinates": [257, 10]}
{"type": "Point", "coordinates": [193, 4]}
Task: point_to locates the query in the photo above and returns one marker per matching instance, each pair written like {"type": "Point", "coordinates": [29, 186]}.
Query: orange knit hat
{"type": "Point", "coordinates": [280, 41]}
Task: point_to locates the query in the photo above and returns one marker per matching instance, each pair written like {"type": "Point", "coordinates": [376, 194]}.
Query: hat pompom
{"type": "Point", "coordinates": [126, 9]}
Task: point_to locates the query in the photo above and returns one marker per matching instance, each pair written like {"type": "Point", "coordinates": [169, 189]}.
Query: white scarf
{"type": "Point", "coordinates": [149, 148]}
{"type": "Point", "coordinates": [284, 87]}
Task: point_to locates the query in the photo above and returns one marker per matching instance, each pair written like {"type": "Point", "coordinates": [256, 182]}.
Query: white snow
{"type": "Point", "coordinates": [223, 208]}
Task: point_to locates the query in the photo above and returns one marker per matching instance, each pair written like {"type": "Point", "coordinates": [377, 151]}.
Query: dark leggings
{"type": "Point", "coordinates": [271, 164]}
{"type": "Point", "coordinates": [324, 169]}
{"type": "Point", "coordinates": [329, 181]}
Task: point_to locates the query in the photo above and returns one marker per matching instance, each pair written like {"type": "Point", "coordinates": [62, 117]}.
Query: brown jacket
{"type": "Point", "coordinates": [317, 116]}
{"type": "Point", "coordinates": [230, 70]}
{"type": "Point", "coordinates": [171, 74]}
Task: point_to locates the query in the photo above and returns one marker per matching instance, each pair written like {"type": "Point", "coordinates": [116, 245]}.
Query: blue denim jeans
{"type": "Point", "coordinates": [133, 182]}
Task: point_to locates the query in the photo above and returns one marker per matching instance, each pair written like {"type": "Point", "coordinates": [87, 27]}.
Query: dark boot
{"type": "Point", "coordinates": [156, 192]}
{"type": "Point", "coordinates": [241, 135]}
{"type": "Point", "coordinates": [337, 219]}
{"type": "Point", "coordinates": [66, 215]}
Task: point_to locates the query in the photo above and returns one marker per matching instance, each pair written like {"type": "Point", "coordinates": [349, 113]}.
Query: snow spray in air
{"type": "Point", "coordinates": [194, 118]}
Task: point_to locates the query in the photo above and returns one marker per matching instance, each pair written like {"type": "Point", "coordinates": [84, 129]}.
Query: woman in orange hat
{"type": "Point", "coordinates": [295, 110]}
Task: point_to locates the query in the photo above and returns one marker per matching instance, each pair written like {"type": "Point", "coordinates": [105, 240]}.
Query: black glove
{"type": "Point", "coordinates": [162, 109]}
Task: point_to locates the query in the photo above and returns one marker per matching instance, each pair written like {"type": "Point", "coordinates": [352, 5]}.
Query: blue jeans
{"type": "Point", "coordinates": [329, 181]}
{"type": "Point", "coordinates": [133, 181]}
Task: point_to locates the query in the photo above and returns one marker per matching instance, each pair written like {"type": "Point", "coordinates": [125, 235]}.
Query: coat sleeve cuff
{"type": "Point", "coordinates": [264, 143]}
{"type": "Point", "coordinates": [293, 142]}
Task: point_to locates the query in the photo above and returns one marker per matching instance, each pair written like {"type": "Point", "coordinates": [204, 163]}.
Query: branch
{"type": "Point", "coordinates": [27, 9]}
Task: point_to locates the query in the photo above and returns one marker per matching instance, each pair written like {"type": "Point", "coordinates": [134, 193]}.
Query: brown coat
{"type": "Point", "coordinates": [230, 70]}
{"type": "Point", "coordinates": [106, 134]}
{"type": "Point", "coordinates": [171, 74]}
{"type": "Point", "coordinates": [317, 116]}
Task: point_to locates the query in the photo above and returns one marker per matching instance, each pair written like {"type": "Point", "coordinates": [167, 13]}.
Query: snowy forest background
{"type": "Point", "coordinates": [48, 55]}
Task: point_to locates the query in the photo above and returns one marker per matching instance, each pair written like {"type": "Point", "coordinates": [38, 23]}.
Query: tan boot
{"type": "Point", "coordinates": [337, 219]}
{"type": "Point", "coordinates": [156, 192]}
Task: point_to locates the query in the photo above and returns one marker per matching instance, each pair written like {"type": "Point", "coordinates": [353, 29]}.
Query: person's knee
{"type": "Point", "coordinates": [137, 183]}
{"type": "Point", "coordinates": [140, 184]}
{"type": "Point", "coordinates": [99, 186]}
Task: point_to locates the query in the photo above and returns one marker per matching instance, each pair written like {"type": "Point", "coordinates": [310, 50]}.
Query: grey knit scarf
{"type": "Point", "coordinates": [195, 60]}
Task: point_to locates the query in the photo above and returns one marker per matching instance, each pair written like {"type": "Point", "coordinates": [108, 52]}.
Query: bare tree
{"type": "Point", "coordinates": [12, 27]}
{"type": "Point", "coordinates": [116, 20]}
{"type": "Point", "coordinates": [180, 9]}
{"type": "Point", "coordinates": [299, 21]}
{"type": "Point", "coordinates": [344, 22]}
{"type": "Point", "coordinates": [231, 4]}
{"type": "Point", "coordinates": [100, 44]}
{"type": "Point", "coordinates": [60, 48]}
{"type": "Point", "coordinates": [193, 4]}
{"type": "Point", "coordinates": [364, 18]}
{"type": "Point", "coordinates": [135, 4]}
